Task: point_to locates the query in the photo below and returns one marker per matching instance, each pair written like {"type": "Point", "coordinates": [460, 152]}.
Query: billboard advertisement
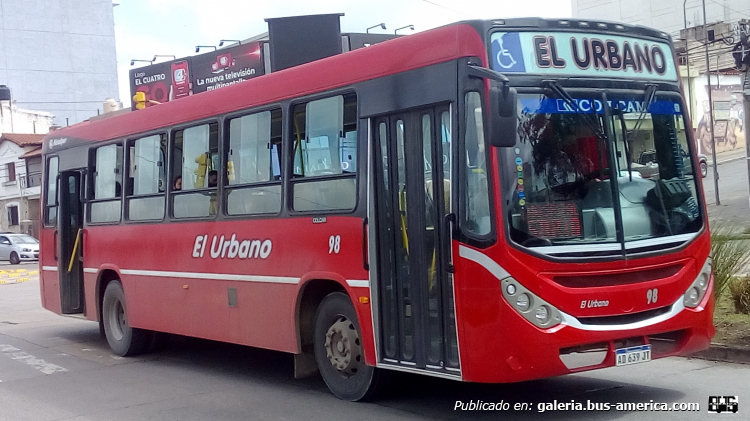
{"type": "Point", "coordinates": [168, 81]}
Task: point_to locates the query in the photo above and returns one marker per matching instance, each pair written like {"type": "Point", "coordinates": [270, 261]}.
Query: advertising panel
{"type": "Point", "coordinates": [168, 81]}
{"type": "Point", "coordinates": [226, 67]}
{"type": "Point", "coordinates": [154, 81]}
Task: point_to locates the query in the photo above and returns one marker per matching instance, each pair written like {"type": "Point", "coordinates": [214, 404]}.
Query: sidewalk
{"type": "Point", "coordinates": [727, 156]}
{"type": "Point", "coordinates": [716, 351]}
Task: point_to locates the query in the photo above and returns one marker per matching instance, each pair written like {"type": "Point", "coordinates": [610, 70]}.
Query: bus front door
{"type": "Point", "coordinates": [412, 168]}
{"type": "Point", "coordinates": [70, 242]}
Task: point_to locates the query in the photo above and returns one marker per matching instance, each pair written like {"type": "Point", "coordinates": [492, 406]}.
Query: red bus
{"type": "Point", "coordinates": [490, 201]}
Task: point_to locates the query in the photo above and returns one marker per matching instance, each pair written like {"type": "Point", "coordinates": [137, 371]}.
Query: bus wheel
{"type": "Point", "coordinates": [338, 350]}
{"type": "Point", "coordinates": [123, 339]}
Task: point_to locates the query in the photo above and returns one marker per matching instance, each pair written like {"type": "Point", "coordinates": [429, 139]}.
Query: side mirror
{"type": "Point", "coordinates": [503, 115]}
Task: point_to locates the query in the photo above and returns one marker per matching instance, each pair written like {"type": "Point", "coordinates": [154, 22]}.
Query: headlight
{"type": "Point", "coordinates": [698, 288]}
{"type": "Point", "coordinates": [542, 314]}
{"type": "Point", "coordinates": [532, 308]}
{"type": "Point", "coordinates": [523, 302]}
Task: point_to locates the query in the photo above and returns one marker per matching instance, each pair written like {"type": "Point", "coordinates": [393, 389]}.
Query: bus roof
{"type": "Point", "coordinates": [397, 55]}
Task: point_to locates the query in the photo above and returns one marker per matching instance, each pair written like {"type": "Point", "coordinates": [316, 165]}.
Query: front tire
{"type": "Point", "coordinates": [339, 352]}
{"type": "Point", "coordinates": [704, 169]}
{"type": "Point", "coordinates": [14, 260]}
{"type": "Point", "coordinates": [124, 340]}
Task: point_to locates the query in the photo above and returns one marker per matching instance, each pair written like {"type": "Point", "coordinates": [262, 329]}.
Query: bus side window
{"type": "Point", "coordinates": [324, 139]}
{"type": "Point", "coordinates": [253, 168]}
{"type": "Point", "coordinates": [107, 184]}
{"type": "Point", "coordinates": [196, 163]}
{"type": "Point", "coordinates": [145, 182]}
{"type": "Point", "coordinates": [476, 215]}
{"type": "Point", "coordinates": [50, 214]}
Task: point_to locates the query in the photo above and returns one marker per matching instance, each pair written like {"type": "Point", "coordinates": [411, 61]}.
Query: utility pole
{"type": "Point", "coordinates": [746, 106]}
{"type": "Point", "coordinates": [711, 110]}
{"type": "Point", "coordinates": [687, 62]}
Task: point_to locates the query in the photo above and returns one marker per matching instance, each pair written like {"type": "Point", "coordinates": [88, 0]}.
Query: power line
{"type": "Point", "coordinates": [448, 8]}
{"type": "Point", "coordinates": [727, 7]}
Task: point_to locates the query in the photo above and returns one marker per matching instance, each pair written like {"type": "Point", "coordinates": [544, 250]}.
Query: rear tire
{"type": "Point", "coordinates": [14, 260]}
{"type": "Point", "coordinates": [339, 352]}
{"type": "Point", "coordinates": [124, 340]}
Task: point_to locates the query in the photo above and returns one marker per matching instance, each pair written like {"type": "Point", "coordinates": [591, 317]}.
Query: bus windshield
{"type": "Point", "coordinates": [557, 181]}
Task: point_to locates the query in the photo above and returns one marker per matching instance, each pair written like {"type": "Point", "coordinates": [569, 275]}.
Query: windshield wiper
{"type": "Point", "coordinates": [593, 123]}
{"type": "Point", "coordinates": [629, 136]}
{"type": "Point", "coordinates": [648, 99]}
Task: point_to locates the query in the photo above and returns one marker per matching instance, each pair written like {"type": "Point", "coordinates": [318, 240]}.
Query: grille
{"type": "Point", "coordinates": [623, 318]}
{"type": "Point", "coordinates": [613, 279]}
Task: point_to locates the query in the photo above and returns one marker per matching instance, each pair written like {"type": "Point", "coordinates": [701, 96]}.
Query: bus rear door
{"type": "Point", "coordinates": [70, 241]}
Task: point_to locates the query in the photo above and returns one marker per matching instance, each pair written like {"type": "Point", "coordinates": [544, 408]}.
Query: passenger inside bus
{"type": "Point", "coordinates": [177, 185]}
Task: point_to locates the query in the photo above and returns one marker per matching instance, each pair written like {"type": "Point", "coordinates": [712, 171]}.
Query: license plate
{"type": "Point", "coordinates": [633, 355]}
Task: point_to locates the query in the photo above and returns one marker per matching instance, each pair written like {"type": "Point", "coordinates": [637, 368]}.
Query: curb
{"type": "Point", "coordinates": [739, 158]}
{"type": "Point", "coordinates": [719, 352]}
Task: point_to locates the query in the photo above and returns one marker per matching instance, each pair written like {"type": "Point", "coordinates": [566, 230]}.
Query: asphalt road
{"type": "Point", "coordinates": [59, 368]}
{"type": "Point", "coordinates": [733, 194]}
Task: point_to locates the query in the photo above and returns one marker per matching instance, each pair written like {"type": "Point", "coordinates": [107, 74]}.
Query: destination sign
{"type": "Point", "coordinates": [581, 54]}
{"type": "Point", "coordinates": [543, 105]}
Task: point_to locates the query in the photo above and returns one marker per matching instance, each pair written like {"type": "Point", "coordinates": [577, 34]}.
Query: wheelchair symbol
{"type": "Point", "coordinates": [503, 56]}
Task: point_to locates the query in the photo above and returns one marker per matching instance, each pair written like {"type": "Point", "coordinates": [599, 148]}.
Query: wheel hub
{"type": "Point", "coordinates": [118, 321]}
{"type": "Point", "coordinates": [342, 346]}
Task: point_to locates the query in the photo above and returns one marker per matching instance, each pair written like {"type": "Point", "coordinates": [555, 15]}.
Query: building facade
{"type": "Point", "coordinates": [726, 20]}
{"type": "Point", "coordinates": [20, 182]}
{"type": "Point", "coordinates": [669, 16]}
{"type": "Point", "coordinates": [59, 56]}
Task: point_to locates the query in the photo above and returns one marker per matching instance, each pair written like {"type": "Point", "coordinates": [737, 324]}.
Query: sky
{"type": "Point", "coordinates": [145, 28]}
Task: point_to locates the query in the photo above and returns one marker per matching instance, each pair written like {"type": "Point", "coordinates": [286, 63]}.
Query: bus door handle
{"type": "Point", "coordinates": [447, 239]}
{"type": "Point", "coordinates": [55, 245]}
{"type": "Point", "coordinates": [365, 258]}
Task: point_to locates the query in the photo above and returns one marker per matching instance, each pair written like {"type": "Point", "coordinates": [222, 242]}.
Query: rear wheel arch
{"type": "Point", "coordinates": [105, 277]}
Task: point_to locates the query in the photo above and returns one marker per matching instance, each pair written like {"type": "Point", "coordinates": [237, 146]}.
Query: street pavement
{"type": "Point", "coordinates": [59, 368]}
{"type": "Point", "coordinates": [734, 193]}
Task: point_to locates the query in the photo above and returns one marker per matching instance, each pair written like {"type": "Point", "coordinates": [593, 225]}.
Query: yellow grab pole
{"type": "Point", "coordinates": [75, 249]}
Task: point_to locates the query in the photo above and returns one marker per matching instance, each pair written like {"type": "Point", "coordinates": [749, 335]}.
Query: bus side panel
{"type": "Point", "coordinates": [91, 306]}
{"type": "Point", "coordinates": [191, 278]}
{"type": "Point", "coordinates": [49, 280]}
{"type": "Point", "coordinates": [199, 308]}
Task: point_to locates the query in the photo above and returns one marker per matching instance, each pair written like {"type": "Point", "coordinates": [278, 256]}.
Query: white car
{"type": "Point", "coordinates": [18, 247]}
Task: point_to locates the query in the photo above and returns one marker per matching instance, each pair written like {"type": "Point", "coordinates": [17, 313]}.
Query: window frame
{"type": "Point", "coordinates": [126, 167]}
{"type": "Point", "coordinates": [289, 139]}
{"type": "Point", "coordinates": [45, 179]}
{"type": "Point", "coordinates": [91, 187]}
{"type": "Point", "coordinates": [224, 150]}
{"type": "Point", "coordinates": [171, 193]}
{"type": "Point", "coordinates": [10, 168]}
{"type": "Point", "coordinates": [459, 164]}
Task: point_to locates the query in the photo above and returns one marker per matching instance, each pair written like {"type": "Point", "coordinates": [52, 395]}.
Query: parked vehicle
{"type": "Point", "coordinates": [648, 157]}
{"type": "Point", "coordinates": [18, 247]}
{"type": "Point", "coordinates": [703, 163]}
